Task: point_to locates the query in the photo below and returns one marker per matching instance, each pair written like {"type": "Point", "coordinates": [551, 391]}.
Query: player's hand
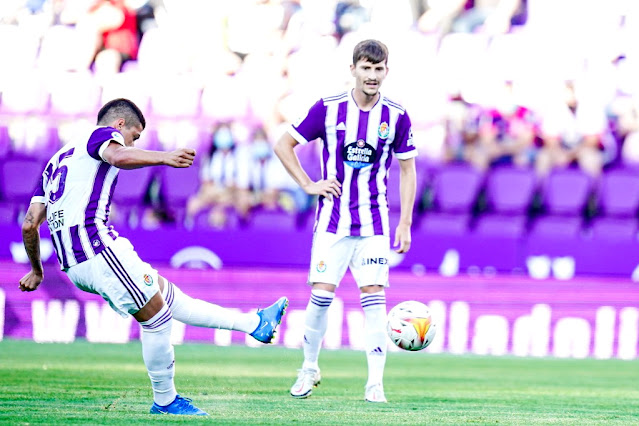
{"type": "Point", "coordinates": [402, 238]}
{"type": "Point", "coordinates": [328, 188]}
{"type": "Point", "coordinates": [31, 281]}
{"type": "Point", "coordinates": [180, 158]}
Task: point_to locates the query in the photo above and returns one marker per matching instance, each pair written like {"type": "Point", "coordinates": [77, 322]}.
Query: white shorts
{"type": "Point", "coordinates": [367, 258]}
{"type": "Point", "coordinates": [119, 276]}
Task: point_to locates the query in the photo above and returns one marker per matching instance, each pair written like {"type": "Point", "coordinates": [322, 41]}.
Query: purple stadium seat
{"type": "Point", "coordinates": [18, 178]}
{"type": "Point", "coordinates": [177, 185]}
{"type": "Point", "coordinates": [128, 197]}
{"type": "Point", "coordinates": [614, 228]}
{"type": "Point", "coordinates": [444, 223]}
{"type": "Point", "coordinates": [276, 219]}
{"type": "Point", "coordinates": [201, 220]}
{"type": "Point", "coordinates": [510, 189]}
{"type": "Point", "coordinates": [566, 192]}
{"type": "Point", "coordinates": [557, 227]}
{"type": "Point", "coordinates": [455, 188]}
{"type": "Point", "coordinates": [495, 224]}
{"type": "Point", "coordinates": [392, 193]}
{"type": "Point", "coordinates": [618, 193]}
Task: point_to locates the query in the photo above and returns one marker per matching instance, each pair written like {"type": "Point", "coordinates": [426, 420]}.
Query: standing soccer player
{"type": "Point", "coordinates": [74, 195]}
{"type": "Point", "coordinates": [360, 130]}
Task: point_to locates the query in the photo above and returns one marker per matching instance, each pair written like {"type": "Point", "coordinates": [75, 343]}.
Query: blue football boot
{"type": "Point", "coordinates": [180, 407]}
{"type": "Point", "coordinates": [269, 319]}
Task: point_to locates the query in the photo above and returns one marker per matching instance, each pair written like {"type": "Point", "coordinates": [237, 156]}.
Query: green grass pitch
{"type": "Point", "coordinates": [86, 383]}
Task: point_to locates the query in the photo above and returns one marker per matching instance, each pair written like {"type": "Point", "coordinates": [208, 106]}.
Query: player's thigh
{"type": "Point", "coordinates": [119, 276]}
{"type": "Point", "coordinates": [330, 257]}
{"type": "Point", "coordinates": [369, 263]}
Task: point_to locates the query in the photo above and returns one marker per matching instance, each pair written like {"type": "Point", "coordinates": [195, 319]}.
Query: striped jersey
{"type": "Point", "coordinates": [357, 150]}
{"type": "Point", "coordinates": [76, 187]}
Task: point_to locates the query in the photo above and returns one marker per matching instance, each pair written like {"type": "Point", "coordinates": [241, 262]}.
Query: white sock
{"type": "Point", "coordinates": [157, 352]}
{"type": "Point", "coordinates": [315, 326]}
{"type": "Point", "coordinates": [204, 314]}
{"type": "Point", "coordinates": [374, 305]}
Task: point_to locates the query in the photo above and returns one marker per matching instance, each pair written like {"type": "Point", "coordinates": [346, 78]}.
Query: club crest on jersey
{"type": "Point", "coordinates": [359, 154]}
{"type": "Point", "coordinates": [383, 131]}
{"type": "Point", "coordinates": [148, 279]}
{"type": "Point", "coordinates": [321, 266]}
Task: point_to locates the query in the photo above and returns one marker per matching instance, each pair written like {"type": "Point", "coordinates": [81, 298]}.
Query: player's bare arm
{"type": "Point", "coordinates": [407, 188]}
{"type": "Point", "coordinates": [133, 158]}
{"type": "Point", "coordinates": [285, 151]}
{"type": "Point", "coordinates": [35, 216]}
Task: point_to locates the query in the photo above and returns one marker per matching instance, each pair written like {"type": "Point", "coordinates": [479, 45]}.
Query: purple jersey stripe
{"type": "Point", "coordinates": [107, 209]}
{"type": "Point", "coordinates": [89, 214]}
{"type": "Point", "coordinates": [64, 155]}
{"type": "Point", "coordinates": [63, 252]}
{"type": "Point", "coordinates": [56, 247]}
{"type": "Point", "coordinates": [125, 274]}
{"type": "Point", "coordinates": [136, 294]}
{"type": "Point", "coordinates": [339, 164]}
{"type": "Point", "coordinates": [372, 184]}
{"type": "Point", "coordinates": [76, 245]}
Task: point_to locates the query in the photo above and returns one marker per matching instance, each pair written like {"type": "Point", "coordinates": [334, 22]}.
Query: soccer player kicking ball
{"type": "Point", "coordinates": [361, 131]}
{"type": "Point", "coordinates": [74, 196]}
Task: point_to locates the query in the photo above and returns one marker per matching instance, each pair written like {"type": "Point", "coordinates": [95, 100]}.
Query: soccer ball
{"type": "Point", "coordinates": [410, 325]}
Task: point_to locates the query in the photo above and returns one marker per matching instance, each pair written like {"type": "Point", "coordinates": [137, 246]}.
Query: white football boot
{"type": "Point", "coordinates": [307, 379]}
{"type": "Point", "coordinates": [375, 393]}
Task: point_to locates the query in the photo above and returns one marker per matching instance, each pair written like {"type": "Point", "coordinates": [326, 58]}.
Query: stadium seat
{"type": "Point", "coordinates": [18, 179]}
{"type": "Point", "coordinates": [614, 228]}
{"type": "Point", "coordinates": [455, 188]}
{"type": "Point", "coordinates": [501, 225]}
{"type": "Point", "coordinates": [177, 185]}
{"type": "Point", "coordinates": [618, 193]}
{"type": "Point", "coordinates": [566, 192]}
{"type": "Point", "coordinates": [509, 194]}
{"type": "Point", "coordinates": [557, 227]}
{"type": "Point", "coordinates": [272, 219]}
{"type": "Point", "coordinates": [130, 191]}
{"type": "Point", "coordinates": [444, 223]}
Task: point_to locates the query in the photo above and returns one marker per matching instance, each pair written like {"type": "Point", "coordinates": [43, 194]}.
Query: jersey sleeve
{"type": "Point", "coordinates": [38, 193]}
{"type": "Point", "coordinates": [100, 139]}
{"type": "Point", "coordinates": [311, 126]}
{"type": "Point", "coordinates": [403, 145]}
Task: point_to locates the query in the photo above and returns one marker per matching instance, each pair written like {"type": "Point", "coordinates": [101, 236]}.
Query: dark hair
{"type": "Point", "coordinates": [373, 51]}
{"type": "Point", "coordinates": [121, 108]}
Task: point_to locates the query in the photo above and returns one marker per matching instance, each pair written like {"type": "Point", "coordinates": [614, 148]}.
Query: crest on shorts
{"type": "Point", "coordinates": [383, 131]}
{"type": "Point", "coordinates": [148, 279]}
{"type": "Point", "coordinates": [321, 266]}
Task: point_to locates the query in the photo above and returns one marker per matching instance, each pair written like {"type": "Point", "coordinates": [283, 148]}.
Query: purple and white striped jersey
{"type": "Point", "coordinates": [76, 187]}
{"type": "Point", "coordinates": [358, 148]}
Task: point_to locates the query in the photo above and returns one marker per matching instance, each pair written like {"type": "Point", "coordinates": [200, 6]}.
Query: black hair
{"type": "Point", "coordinates": [373, 51]}
{"type": "Point", "coordinates": [121, 108]}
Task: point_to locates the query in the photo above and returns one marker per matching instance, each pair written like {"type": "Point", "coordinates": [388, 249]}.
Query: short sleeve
{"type": "Point", "coordinates": [38, 192]}
{"type": "Point", "coordinates": [100, 139]}
{"type": "Point", "coordinates": [311, 126]}
{"type": "Point", "coordinates": [403, 145]}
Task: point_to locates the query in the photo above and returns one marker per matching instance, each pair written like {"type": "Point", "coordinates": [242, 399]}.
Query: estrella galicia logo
{"type": "Point", "coordinates": [359, 154]}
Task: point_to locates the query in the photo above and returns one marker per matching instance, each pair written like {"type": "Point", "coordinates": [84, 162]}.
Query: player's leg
{"type": "Point", "coordinates": [370, 269]}
{"type": "Point", "coordinates": [128, 284]}
{"type": "Point", "coordinates": [261, 324]}
{"type": "Point", "coordinates": [329, 260]}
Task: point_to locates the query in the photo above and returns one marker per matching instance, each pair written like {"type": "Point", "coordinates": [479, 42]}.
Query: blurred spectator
{"type": "Point", "coordinates": [219, 175]}
{"type": "Point", "coordinates": [262, 181]}
{"type": "Point", "coordinates": [573, 132]}
{"type": "Point", "coordinates": [468, 16]}
{"type": "Point", "coordinates": [110, 32]}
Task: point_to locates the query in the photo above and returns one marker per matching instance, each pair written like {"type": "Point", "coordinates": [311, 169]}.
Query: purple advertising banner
{"type": "Point", "coordinates": [480, 314]}
{"type": "Point", "coordinates": [539, 258]}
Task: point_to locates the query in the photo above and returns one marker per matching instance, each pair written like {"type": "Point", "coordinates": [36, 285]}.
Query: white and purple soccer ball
{"type": "Point", "coordinates": [410, 325]}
